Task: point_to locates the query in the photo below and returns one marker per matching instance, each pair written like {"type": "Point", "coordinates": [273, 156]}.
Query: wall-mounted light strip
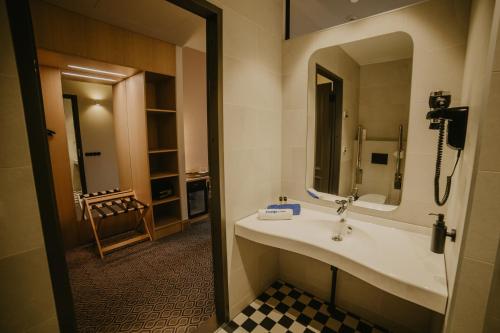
{"type": "Point", "coordinates": [94, 70]}
{"type": "Point", "coordinates": [88, 76]}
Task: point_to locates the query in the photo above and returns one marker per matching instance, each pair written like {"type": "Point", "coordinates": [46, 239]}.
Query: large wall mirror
{"type": "Point", "coordinates": [358, 109]}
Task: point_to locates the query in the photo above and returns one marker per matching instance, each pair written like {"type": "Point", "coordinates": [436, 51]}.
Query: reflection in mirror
{"type": "Point", "coordinates": [358, 109]}
{"type": "Point", "coordinates": [90, 128]}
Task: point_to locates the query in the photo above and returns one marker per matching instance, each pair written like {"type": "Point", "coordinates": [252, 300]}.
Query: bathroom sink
{"type": "Point", "coordinates": [385, 254]}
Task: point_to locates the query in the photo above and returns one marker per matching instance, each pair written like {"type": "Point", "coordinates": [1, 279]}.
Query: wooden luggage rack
{"type": "Point", "coordinates": [101, 205]}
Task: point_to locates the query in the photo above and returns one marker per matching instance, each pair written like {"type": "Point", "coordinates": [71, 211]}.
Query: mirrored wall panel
{"type": "Point", "coordinates": [358, 109]}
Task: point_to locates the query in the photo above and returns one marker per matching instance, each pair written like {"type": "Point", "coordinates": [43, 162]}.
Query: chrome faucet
{"type": "Point", "coordinates": [344, 204]}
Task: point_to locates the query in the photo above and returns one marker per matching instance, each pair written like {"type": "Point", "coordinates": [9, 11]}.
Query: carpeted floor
{"type": "Point", "coordinates": [162, 286]}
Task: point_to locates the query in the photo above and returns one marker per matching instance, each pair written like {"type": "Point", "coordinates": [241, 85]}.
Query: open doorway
{"type": "Point", "coordinates": [150, 167]}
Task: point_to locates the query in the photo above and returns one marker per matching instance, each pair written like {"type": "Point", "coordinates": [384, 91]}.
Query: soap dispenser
{"type": "Point", "coordinates": [439, 233]}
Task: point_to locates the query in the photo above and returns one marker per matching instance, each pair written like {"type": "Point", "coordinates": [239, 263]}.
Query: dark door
{"type": "Point", "coordinates": [324, 126]}
{"type": "Point", "coordinates": [328, 132]}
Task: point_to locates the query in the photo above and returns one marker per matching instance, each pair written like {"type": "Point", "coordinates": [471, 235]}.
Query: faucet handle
{"type": "Point", "coordinates": [343, 206]}
{"type": "Point", "coordinates": [342, 202]}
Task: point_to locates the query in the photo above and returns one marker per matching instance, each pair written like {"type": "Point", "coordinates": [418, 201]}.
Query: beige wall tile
{"type": "Point", "coordinates": [27, 301]}
{"type": "Point", "coordinates": [483, 233]}
{"type": "Point", "coordinates": [489, 158]}
{"type": "Point", "coordinates": [20, 229]}
{"type": "Point", "coordinates": [269, 51]}
{"type": "Point", "coordinates": [496, 58]}
{"type": "Point", "coordinates": [252, 135]}
{"type": "Point", "coordinates": [492, 322]}
{"type": "Point", "coordinates": [473, 265]}
{"type": "Point", "coordinates": [476, 74]}
{"type": "Point", "coordinates": [49, 326]}
{"type": "Point", "coordinates": [13, 153]}
{"type": "Point", "coordinates": [266, 14]}
{"type": "Point", "coordinates": [7, 60]}
{"type": "Point", "coordinates": [474, 278]}
{"type": "Point", "coordinates": [240, 37]}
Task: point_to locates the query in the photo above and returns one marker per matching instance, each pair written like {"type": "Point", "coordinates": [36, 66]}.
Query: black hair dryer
{"type": "Point", "coordinates": [455, 121]}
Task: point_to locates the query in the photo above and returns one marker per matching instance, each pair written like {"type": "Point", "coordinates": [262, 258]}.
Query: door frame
{"type": "Point", "coordinates": [78, 139]}
{"type": "Point", "coordinates": [23, 39]}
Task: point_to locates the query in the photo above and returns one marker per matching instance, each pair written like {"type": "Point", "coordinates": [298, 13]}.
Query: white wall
{"type": "Point", "coordinates": [252, 34]}
{"type": "Point", "coordinates": [438, 62]}
{"type": "Point", "coordinates": [97, 131]}
{"type": "Point", "coordinates": [384, 98]}
{"type": "Point", "coordinates": [194, 109]}
{"type": "Point", "coordinates": [384, 104]}
{"type": "Point", "coordinates": [26, 299]}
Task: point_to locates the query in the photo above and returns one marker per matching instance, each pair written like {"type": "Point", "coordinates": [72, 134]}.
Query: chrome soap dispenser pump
{"type": "Point", "coordinates": [439, 234]}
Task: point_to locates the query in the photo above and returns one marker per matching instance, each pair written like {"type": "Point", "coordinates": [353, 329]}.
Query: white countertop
{"type": "Point", "coordinates": [395, 260]}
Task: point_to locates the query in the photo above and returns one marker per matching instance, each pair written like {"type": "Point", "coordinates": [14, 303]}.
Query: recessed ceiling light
{"type": "Point", "coordinates": [354, 1]}
{"type": "Point", "coordinates": [88, 76]}
{"type": "Point", "coordinates": [89, 69]}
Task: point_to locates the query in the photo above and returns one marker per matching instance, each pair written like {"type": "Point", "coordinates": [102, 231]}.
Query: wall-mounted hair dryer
{"type": "Point", "coordinates": [455, 118]}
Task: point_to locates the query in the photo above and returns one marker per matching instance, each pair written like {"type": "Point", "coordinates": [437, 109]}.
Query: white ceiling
{"type": "Point", "coordinates": [312, 15]}
{"type": "Point", "coordinates": [390, 47]}
{"type": "Point", "coordinates": [155, 18]}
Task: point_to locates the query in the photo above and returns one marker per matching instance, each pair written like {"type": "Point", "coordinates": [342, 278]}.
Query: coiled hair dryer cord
{"type": "Point", "coordinates": [441, 201]}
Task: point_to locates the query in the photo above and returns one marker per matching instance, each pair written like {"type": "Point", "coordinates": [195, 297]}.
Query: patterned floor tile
{"type": "Point", "coordinates": [161, 286]}
{"type": "Point", "coordinates": [284, 308]}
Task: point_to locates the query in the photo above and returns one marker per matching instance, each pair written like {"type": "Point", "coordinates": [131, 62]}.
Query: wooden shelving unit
{"type": "Point", "coordinates": [165, 200]}
{"type": "Point", "coordinates": [161, 175]}
{"type": "Point", "coordinates": [160, 110]}
{"type": "Point", "coordinates": [160, 151]}
{"type": "Point", "coordinates": [161, 121]}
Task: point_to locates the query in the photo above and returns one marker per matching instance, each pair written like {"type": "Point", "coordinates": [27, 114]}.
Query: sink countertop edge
{"type": "Point", "coordinates": [391, 284]}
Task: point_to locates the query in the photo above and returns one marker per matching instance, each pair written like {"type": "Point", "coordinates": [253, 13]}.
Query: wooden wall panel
{"type": "Point", "coordinates": [105, 42]}
{"type": "Point", "coordinates": [55, 120]}
{"type": "Point", "coordinates": [60, 30]}
{"type": "Point", "coordinates": [139, 51]}
{"type": "Point", "coordinates": [120, 119]}
{"type": "Point", "coordinates": [138, 141]}
{"type": "Point", "coordinates": [162, 51]}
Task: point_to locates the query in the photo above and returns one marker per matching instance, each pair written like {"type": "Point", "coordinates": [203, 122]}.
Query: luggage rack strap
{"type": "Point", "coordinates": [109, 203]}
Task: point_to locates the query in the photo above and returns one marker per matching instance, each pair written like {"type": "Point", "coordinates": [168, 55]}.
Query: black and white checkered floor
{"type": "Point", "coordinates": [284, 308]}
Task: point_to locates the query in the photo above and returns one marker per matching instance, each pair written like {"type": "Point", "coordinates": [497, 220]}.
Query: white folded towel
{"type": "Point", "coordinates": [275, 214]}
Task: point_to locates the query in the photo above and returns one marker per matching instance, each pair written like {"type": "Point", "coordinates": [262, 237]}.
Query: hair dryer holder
{"type": "Point", "coordinates": [457, 124]}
